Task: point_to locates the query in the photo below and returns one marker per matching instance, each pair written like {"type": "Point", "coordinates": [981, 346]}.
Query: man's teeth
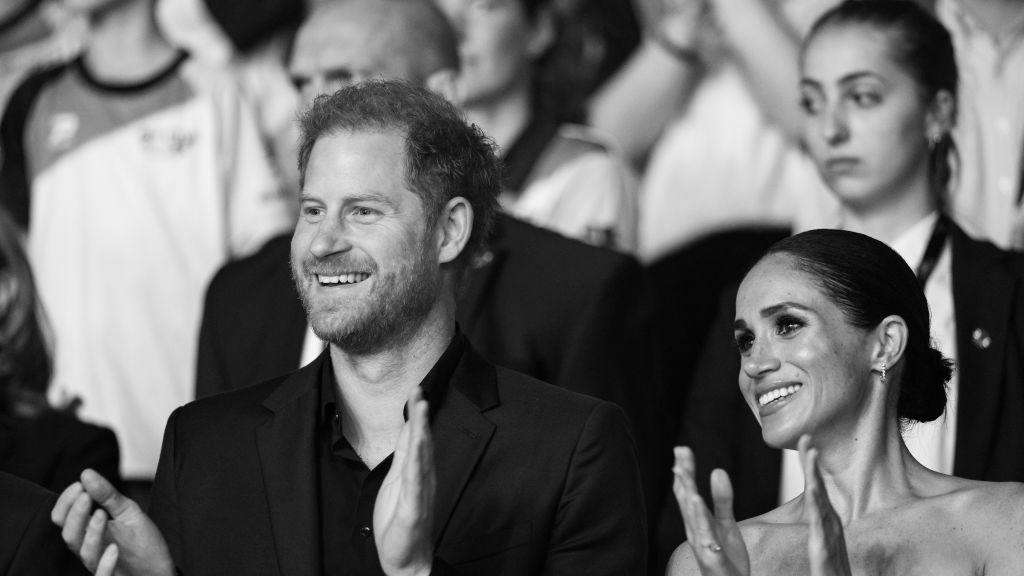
{"type": "Point", "coordinates": [769, 397]}
{"type": "Point", "coordinates": [342, 278]}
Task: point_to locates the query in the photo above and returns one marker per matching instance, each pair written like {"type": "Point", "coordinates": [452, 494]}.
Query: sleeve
{"type": "Point", "coordinates": [41, 550]}
{"type": "Point", "coordinates": [15, 185]}
{"type": "Point", "coordinates": [210, 374]}
{"type": "Point", "coordinates": [95, 447]}
{"type": "Point", "coordinates": [611, 354]}
{"type": "Point", "coordinates": [163, 500]}
{"type": "Point", "coordinates": [600, 526]}
{"type": "Point", "coordinates": [257, 206]}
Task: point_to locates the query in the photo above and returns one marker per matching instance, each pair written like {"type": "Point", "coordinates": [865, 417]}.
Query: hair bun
{"type": "Point", "coordinates": [923, 389]}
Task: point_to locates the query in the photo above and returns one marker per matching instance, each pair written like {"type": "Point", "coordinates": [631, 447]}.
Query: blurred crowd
{"type": "Point", "coordinates": [651, 151]}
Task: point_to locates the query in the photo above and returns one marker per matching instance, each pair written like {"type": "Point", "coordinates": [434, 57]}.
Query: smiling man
{"type": "Point", "coordinates": [341, 467]}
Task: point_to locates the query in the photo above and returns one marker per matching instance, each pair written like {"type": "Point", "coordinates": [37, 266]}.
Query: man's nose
{"type": "Point", "coordinates": [332, 237]}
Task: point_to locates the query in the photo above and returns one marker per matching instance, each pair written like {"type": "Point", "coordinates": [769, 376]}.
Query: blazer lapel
{"type": "Point", "coordinates": [461, 433]}
{"type": "Point", "coordinates": [285, 443]}
{"type": "Point", "coordinates": [982, 297]}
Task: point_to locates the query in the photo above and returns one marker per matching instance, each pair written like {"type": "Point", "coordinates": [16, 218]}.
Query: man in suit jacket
{"type": "Point", "coordinates": [330, 470]}
{"type": "Point", "coordinates": [535, 301]}
{"type": "Point", "coordinates": [30, 544]}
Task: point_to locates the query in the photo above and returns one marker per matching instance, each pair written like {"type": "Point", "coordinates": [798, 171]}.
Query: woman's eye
{"type": "Point", "coordinates": [866, 99]}
{"type": "Point", "coordinates": [810, 105]}
{"type": "Point", "coordinates": [786, 326]}
{"type": "Point", "coordinates": [744, 341]}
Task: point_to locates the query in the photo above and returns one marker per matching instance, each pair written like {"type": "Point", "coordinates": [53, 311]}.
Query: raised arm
{"type": "Point", "coordinates": [634, 105]}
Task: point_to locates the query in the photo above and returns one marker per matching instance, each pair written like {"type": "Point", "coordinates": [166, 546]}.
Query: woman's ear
{"type": "Point", "coordinates": [454, 227]}
{"type": "Point", "coordinates": [890, 343]}
{"type": "Point", "coordinates": [941, 115]}
{"type": "Point", "coordinates": [543, 31]}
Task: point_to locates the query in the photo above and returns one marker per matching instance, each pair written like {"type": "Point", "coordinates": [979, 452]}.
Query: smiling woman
{"type": "Point", "coordinates": [832, 327]}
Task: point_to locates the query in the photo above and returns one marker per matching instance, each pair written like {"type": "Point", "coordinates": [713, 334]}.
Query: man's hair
{"type": "Point", "coordinates": [445, 157]}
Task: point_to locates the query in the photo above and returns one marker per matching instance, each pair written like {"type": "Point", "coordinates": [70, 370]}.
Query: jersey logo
{"type": "Point", "coordinates": [63, 129]}
{"type": "Point", "coordinates": [167, 142]}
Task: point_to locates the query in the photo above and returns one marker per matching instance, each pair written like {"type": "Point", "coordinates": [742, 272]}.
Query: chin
{"type": "Point", "coordinates": [781, 437]}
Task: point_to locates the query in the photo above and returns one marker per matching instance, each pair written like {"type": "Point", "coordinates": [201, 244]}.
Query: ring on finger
{"type": "Point", "coordinates": [713, 546]}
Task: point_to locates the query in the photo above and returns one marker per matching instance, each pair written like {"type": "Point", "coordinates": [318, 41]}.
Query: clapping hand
{"type": "Point", "coordinates": [403, 514]}
{"type": "Point", "coordinates": [118, 538]}
{"type": "Point", "coordinates": [826, 546]}
{"type": "Point", "coordinates": [716, 540]}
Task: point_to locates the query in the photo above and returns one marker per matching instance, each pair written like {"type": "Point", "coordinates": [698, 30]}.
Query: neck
{"type": "Point", "coordinates": [125, 44]}
{"type": "Point", "coordinates": [889, 220]}
{"type": "Point", "coordinates": [373, 387]}
{"type": "Point", "coordinates": [867, 470]}
{"type": "Point", "coordinates": [505, 118]}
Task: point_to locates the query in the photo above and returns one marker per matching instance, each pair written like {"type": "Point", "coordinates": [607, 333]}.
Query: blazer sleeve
{"type": "Point", "coordinates": [163, 500]}
{"type": "Point", "coordinates": [94, 447]}
{"type": "Point", "coordinates": [40, 550]}
{"type": "Point", "coordinates": [600, 525]}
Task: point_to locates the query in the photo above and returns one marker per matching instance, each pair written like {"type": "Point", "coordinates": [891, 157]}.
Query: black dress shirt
{"type": "Point", "coordinates": [347, 486]}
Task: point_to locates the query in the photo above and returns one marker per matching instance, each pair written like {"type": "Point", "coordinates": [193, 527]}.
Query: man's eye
{"type": "Point", "coordinates": [865, 99]}
{"type": "Point", "coordinates": [810, 105]}
{"type": "Point", "coordinates": [312, 211]}
{"type": "Point", "coordinates": [363, 214]}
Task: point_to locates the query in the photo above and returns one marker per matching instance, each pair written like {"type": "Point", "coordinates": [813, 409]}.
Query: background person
{"type": "Point", "coordinates": [38, 442]}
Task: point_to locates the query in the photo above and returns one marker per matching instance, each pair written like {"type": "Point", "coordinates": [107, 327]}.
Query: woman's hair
{"type": "Point", "coordinates": [25, 361]}
{"type": "Point", "coordinates": [922, 47]}
{"type": "Point", "coordinates": [868, 281]}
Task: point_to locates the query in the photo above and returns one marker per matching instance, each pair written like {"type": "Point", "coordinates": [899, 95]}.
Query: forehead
{"type": "Point", "coordinates": [350, 162]}
{"type": "Point", "coordinates": [341, 37]}
{"type": "Point", "coordinates": [774, 280]}
{"type": "Point", "coordinates": [839, 51]}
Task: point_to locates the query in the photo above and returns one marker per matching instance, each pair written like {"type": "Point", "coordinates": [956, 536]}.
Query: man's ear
{"type": "Point", "coordinates": [454, 226]}
{"type": "Point", "coordinates": [543, 32]}
{"type": "Point", "coordinates": [890, 343]}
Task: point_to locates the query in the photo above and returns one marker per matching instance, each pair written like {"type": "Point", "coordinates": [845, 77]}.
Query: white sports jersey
{"type": "Point", "coordinates": [134, 196]}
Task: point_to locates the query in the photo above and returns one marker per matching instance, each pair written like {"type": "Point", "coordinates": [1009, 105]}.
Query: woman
{"type": "Point", "coordinates": [832, 329]}
{"type": "Point", "coordinates": [37, 442]}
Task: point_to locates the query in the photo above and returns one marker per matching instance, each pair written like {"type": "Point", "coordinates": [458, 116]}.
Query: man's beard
{"type": "Point", "coordinates": [398, 301]}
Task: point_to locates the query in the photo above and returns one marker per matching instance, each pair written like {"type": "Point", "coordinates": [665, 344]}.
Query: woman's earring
{"type": "Point", "coordinates": [883, 372]}
{"type": "Point", "coordinates": [933, 137]}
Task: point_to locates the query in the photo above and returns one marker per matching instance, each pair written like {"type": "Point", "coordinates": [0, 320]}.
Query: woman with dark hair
{"type": "Point", "coordinates": [833, 332]}
{"type": "Point", "coordinates": [37, 442]}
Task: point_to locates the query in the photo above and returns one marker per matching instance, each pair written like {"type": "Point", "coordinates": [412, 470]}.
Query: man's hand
{"type": "Point", "coordinates": [826, 545]}
{"type": "Point", "coordinates": [403, 514]}
{"type": "Point", "coordinates": [118, 538]}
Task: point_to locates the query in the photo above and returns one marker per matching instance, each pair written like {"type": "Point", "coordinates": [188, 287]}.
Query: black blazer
{"type": "Point", "coordinates": [30, 544]}
{"type": "Point", "coordinates": [52, 450]}
{"type": "Point", "coordinates": [531, 479]}
{"type": "Point", "coordinates": [988, 304]}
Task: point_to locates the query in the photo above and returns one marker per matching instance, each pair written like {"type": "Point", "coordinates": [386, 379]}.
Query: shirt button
{"type": "Point", "coordinates": [365, 531]}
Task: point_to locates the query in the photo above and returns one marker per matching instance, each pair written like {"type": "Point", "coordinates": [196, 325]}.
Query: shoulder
{"type": "Point", "coordinates": [225, 411]}
{"type": "Point", "coordinates": [238, 275]}
{"type": "Point", "coordinates": [985, 257]}
{"type": "Point", "coordinates": [553, 255]}
{"type": "Point", "coordinates": [990, 515]}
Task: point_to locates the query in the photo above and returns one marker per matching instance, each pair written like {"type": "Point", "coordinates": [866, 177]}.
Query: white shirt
{"type": "Point", "coordinates": [931, 443]}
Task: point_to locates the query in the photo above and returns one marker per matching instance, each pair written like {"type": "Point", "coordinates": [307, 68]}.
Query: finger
{"type": "Point", "coordinates": [75, 522]}
{"type": "Point", "coordinates": [92, 544]}
{"type": "Point", "coordinates": [108, 561]}
{"type": "Point", "coordinates": [678, 472]}
{"type": "Point", "coordinates": [722, 495]}
{"type": "Point", "coordinates": [104, 493]}
{"type": "Point", "coordinates": [64, 502]}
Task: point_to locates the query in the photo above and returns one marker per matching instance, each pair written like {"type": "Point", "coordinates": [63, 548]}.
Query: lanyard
{"type": "Point", "coordinates": [934, 249]}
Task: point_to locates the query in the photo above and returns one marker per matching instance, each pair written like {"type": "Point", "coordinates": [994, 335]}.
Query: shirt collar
{"type": "Point", "coordinates": [912, 243]}
{"type": "Point", "coordinates": [434, 385]}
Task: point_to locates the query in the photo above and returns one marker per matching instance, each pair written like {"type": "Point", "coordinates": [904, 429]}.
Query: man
{"type": "Point", "coordinates": [137, 172]}
{"type": "Point", "coordinates": [318, 471]}
{"type": "Point", "coordinates": [29, 544]}
{"type": "Point", "coordinates": [542, 304]}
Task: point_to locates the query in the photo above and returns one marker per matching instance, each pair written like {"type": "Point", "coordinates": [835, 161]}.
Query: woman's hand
{"type": "Point", "coordinates": [826, 546]}
{"type": "Point", "coordinates": [715, 540]}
